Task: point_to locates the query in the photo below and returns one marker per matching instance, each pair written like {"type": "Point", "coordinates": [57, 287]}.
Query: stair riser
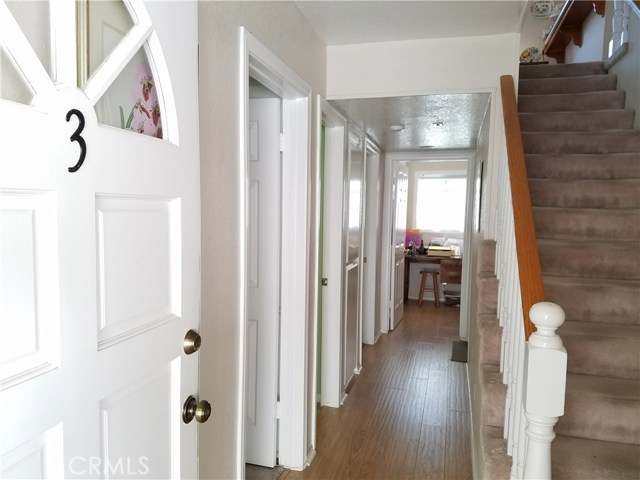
{"type": "Point", "coordinates": [584, 167]}
{"type": "Point", "coordinates": [590, 261]}
{"type": "Point", "coordinates": [487, 295]}
{"type": "Point", "coordinates": [576, 121]}
{"type": "Point", "coordinates": [492, 398]}
{"type": "Point", "coordinates": [572, 102]}
{"type": "Point", "coordinates": [620, 194]}
{"type": "Point", "coordinates": [591, 416]}
{"type": "Point", "coordinates": [562, 70]}
{"type": "Point", "coordinates": [552, 86]}
{"type": "Point", "coordinates": [594, 303]}
{"type": "Point", "coordinates": [619, 141]}
{"type": "Point", "coordinates": [490, 340]}
{"type": "Point", "coordinates": [555, 223]}
{"type": "Point", "coordinates": [487, 257]}
{"type": "Point", "coordinates": [602, 355]}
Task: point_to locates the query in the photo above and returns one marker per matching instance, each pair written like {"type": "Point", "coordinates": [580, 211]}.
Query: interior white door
{"type": "Point", "coordinates": [263, 281]}
{"type": "Point", "coordinates": [99, 259]}
{"type": "Point", "coordinates": [352, 328]}
{"type": "Point", "coordinates": [401, 178]}
{"type": "Point", "coordinates": [370, 314]}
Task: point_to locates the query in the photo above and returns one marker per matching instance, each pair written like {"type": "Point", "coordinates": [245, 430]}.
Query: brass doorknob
{"type": "Point", "coordinates": [191, 343]}
{"type": "Point", "coordinates": [203, 411]}
{"type": "Point", "coordinates": [189, 409]}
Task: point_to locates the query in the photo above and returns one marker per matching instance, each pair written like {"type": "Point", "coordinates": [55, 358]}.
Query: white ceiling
{"type": "Point", "coordinates": [346, 22]}
{"type": "Point", "coordinates": [368, 21]}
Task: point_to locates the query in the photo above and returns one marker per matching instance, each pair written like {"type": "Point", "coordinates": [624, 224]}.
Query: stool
{"type": "Point", "coordinates": [423, 284]}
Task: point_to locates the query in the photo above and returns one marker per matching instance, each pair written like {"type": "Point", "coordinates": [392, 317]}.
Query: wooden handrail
{"type": "Point", "coordinates": [531, 287]}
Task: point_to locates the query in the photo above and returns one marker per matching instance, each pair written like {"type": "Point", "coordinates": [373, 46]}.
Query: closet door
{"type": "Point", "coordinates": [354, 191]}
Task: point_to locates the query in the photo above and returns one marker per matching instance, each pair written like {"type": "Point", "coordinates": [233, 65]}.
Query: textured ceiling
{"type": "Point", "coordinates": [461, 116]}
{"type": "Point", "coordinates": [346, 22]}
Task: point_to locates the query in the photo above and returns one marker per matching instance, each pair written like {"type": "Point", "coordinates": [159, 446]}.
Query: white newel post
{"type": "Point", "coordinates": [545, 372]}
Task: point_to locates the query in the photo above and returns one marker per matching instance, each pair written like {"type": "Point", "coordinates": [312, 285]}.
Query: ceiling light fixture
{"type": "Point", "coordinates": [438, 123]}
{"type": "Point", "coordinates": [396, 128]}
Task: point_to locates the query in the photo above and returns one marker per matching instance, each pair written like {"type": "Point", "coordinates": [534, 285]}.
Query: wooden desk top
{"type": "Point", "coordinates": [429, 258]}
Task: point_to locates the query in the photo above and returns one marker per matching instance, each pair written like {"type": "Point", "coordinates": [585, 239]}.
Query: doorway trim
{"type": "Point", "coordinates": [257, 61]}
{"type": "Point", "coordinates": [470, 157]}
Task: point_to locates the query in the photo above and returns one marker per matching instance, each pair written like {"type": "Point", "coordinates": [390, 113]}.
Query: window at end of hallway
{"type": "Point", "coordinates": [440, 204]}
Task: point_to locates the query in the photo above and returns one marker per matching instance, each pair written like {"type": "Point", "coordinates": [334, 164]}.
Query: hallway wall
{"type": "Point", "coordinates": [280, 27]}
{"type": "Point", "coordinates": [434, 66]}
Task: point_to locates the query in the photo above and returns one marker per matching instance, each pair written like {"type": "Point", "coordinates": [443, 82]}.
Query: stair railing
{"type": "Point", "coordinates": [533, 360]}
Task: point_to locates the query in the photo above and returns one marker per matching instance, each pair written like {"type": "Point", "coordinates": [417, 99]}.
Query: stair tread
{"type": "Point", "coordinates": [586, 243]}
{"type": "Point", "coordinates": [595, 385]}
{"type": "Point", "coordinates": [561, 70]}
{"type": "Point", "coordinates": [623, 212]}
{"type": "Point", "coordinates": [596, 142]}
{"type": "Point", "coordinates": [571, 102]}
{"type": "Point", "coordinates": [613, 283]}
{"type": "Point", "coordinates": [612, 194]}
{"type": "Point", "coordinates": [577, 84]}
{"type": "Point", "coordinates": [584, 459]}
{"type": "Point", "coordinates": [604, 224]}
{"type": "Point", "coordinates": [583, 166]}
{"type": "Point", "coordinates": [574, 121]}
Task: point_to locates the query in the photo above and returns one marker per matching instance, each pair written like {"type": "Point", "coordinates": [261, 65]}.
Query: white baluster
{"type": "Point", "coordinates": [545, 379]}
{"type": "Point", "coordinates": [620, 25]}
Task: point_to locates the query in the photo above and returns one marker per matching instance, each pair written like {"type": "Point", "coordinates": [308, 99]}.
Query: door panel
{"type": "Point", "coordinates": [401, 175]}
{"type": "Point", "coordinates": [350, 334]}
{"type": "Point", "coordinates": [102, 264]}
{"type": "Point", "coordinates": [263, 282]}
{"type": "Point", "coordinates": [352, 276]}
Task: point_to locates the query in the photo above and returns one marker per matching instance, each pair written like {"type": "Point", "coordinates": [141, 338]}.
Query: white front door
{"type": "Point", "coordinates": [399, 225]}
{"type": "Point", "coordinates": [263, 281]}
{"type": "Point", "coordinates": [99, 254]}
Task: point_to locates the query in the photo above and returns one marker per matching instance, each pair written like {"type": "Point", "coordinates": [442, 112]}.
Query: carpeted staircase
{"type": "Point", "coordinates": [583, 161]}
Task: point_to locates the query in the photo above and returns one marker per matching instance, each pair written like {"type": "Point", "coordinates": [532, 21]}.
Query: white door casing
{"type": "Point", "coordinates": [333, 253]}
{"type": "Point", "coordinates": [263, 282]}
{"type": "Point", "coordinates": [399, 223]}
{"type": "Point", "coordinates": [99, 267]}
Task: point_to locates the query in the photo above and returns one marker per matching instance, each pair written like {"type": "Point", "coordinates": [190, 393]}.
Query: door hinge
{"type": "Point", "coordinates": [278, 410]}
{"type": "Point", "coordinates": [325, 282]}
{"type": "Point", "coordinates": [281, 142]}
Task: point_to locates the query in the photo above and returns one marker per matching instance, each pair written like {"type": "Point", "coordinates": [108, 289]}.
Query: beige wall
{"type": "Point", "coordinates": [479, 234]}
{"type": "Point", "coordinates": [628, 67]}
{"type": "Point", "coordinates": [280, 27]}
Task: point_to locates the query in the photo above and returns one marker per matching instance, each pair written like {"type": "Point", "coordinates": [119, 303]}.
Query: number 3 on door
{"type": "Point", "coordinates": [76, 137]}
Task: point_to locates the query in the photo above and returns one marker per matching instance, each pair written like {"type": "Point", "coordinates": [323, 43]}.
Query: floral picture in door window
{"type": "Point", "coordinates": [144, 115]}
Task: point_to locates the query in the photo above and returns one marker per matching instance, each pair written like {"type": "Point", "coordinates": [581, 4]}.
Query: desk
{"type": "Point", "coordinates": [408, 260]}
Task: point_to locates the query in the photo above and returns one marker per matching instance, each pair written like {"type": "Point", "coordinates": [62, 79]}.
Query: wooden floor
{"type": "Point", "coordinates": [407, 415]}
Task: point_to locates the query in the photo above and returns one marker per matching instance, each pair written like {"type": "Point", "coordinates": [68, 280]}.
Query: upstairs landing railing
{"type": "Point", "coordinates": [533, 360]}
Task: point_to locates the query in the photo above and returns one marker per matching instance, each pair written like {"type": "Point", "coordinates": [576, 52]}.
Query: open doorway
{"type": "Point", "coordinates": [274, 372]}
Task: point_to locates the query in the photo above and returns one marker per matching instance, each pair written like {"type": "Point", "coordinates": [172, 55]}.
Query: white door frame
{"type": "Point", "coordinates": [260, 63]}
{"type": "Point", "coordinates": [387, 258]}
{"type": "Point", "coordinates": [371, 244]}
{"type": "Point", "coordinates": [333, 250]}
